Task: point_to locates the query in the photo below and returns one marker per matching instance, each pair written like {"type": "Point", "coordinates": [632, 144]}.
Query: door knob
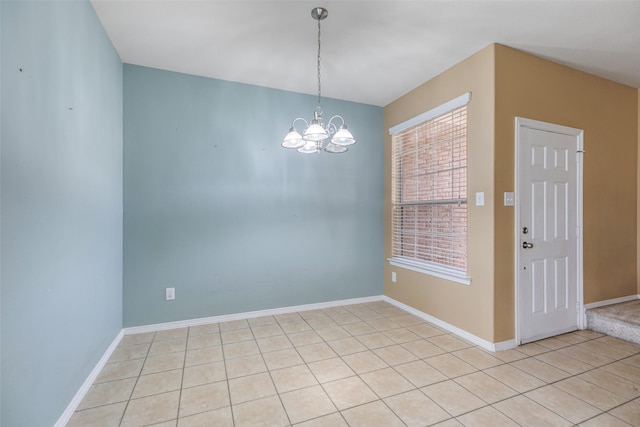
{"type": "Point", "coordinates": [526, 245]}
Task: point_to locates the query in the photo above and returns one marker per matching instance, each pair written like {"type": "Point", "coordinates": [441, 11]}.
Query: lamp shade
{"type": "Point", "coordinates": [343, 137]}
{"type": "Point", "coordinates": [315, 132]}
{"type": "Point", "coordinates": [293, 139]}
{"type": "Point", "coordinates": [310, 147]}
{"type": "Point", "coordinates": [333, 148]}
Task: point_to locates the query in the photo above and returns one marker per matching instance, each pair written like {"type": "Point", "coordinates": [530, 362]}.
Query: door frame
{"type": "Point", "coordinates": [520, 123]}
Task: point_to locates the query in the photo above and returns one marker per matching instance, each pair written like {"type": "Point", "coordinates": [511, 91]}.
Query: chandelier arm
{"type": "Point", "coordinates": [337, 116]}
{"type": "Point", "coordinates": [332, 127]}
{"type": "Point", "coordinates": [293, 123]}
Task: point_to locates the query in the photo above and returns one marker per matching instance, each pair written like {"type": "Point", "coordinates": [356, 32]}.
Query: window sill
{"type": "Point", "coordinates": [442, 272]}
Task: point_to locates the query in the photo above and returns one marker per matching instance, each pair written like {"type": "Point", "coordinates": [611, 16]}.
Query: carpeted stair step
{"type": "Point", "coordinates": [618, 320]}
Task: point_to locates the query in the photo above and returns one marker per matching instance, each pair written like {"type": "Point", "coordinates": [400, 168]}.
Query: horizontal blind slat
{"type": "Point", "coordinates": [429, 190]}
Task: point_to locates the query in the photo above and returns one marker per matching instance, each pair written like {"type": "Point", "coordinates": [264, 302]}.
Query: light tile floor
{"type": "Point", "coordinates": [365, 365]}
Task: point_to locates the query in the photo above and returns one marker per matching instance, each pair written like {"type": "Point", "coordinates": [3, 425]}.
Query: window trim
{"type": "Point", "coordinates": [442, 271]}
{"type": "Point", "coordinates": [432, 269]}
{"type": "Point", "coordinates": [434, 112]}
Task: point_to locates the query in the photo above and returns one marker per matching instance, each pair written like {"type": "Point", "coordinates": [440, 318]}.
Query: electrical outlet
{"type": "Point", "coordinates": [393, 277]}
{"type": "Point", "coordinates": [170, 294]}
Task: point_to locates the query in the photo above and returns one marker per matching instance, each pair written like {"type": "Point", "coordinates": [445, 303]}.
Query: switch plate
{"type": "Point", "coordinates": [393, 276]}
{"type": "Point", "coordinates": [480, 198]}
{"type": "Point", "coordinates": [509, 198]}
{"type": "Point", "coordinates": [170, 294]}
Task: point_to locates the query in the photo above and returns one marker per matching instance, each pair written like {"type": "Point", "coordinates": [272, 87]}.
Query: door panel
{"type": "Point", "coordinates": [547, 281]}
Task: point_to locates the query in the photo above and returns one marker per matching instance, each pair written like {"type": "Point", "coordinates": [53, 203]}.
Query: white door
{"type": "Point", "coordinates": [548, 254]}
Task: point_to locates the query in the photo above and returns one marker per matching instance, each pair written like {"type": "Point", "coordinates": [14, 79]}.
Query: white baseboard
{"type": "Point", "coordinates": [504, 345]}
{"type": "Point", "coordinates": [66, 415]}
{"type": "Point", "coordinates": [606, 302]}
{"type": "Point", "coordinates": [73, 405]}
{"type": "Point", "coordinates": [612, 301]}
{"type": "Point", "coordinates": [247, 315]}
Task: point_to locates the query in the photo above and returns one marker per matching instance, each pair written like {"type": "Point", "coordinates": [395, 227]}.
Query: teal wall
{"type": "Point", "coordinates": [61, 204]}
{"type": "Point", "coordinates": [214, 207]}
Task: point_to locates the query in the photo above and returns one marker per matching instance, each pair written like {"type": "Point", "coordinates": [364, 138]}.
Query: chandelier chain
{"type": "Point", "coordinates": [319, 84]}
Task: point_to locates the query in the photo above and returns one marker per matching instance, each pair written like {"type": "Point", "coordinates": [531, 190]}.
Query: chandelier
{"type": "Point", "coordinates": [312, 138]}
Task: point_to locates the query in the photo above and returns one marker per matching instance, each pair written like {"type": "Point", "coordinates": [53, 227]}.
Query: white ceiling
{"type": "Point", "coordinates": [372, 51]}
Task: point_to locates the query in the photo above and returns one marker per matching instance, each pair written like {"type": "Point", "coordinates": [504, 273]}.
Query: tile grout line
{"type": "Point", "coordinates": [340, 356]}
{"type": "Point", "coordinates": [563, 379]}
{"type": "Point", "coordinates": [184, 367]}
{"type": "Point", "coordinates": [269, 372]}
{"type": "Point", "coordinates": [379, 398]}
{"type": "Point", "coordinates": [137, 379]}
{"type": "Point", "coordinates": [226, 375]}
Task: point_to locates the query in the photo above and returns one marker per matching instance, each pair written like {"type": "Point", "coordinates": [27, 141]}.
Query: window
{"type": "Point", "coordinates": [429, 192]}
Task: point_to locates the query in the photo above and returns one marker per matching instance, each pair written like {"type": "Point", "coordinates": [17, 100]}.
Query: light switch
{"type": "Point", "coordinates": [509, 198]}
{"type": "Point", "coordinates": [480, 198]}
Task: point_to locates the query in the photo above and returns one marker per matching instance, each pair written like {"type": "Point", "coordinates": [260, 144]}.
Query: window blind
{"type": "Point", "coordinates": [429, 191]}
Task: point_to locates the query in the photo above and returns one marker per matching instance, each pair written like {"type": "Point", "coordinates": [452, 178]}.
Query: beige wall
{"type": "Point", "coordinates": [531, 87]}
{"type": "Point", "coordinates": [506, 83]}
{"type": "Point", "coordinates": [467, 307]}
